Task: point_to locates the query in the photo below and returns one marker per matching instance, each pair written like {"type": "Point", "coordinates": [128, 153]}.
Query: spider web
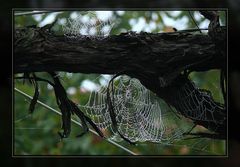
{"type": "Point", "coordinates": [167, 134]}
{"type": "Point", "coordinates": [77, 28]}
{"type": "Point", "coordinates": [138, 111]}
{"type": "Point", "coordinates": [143, 117]}
{"type": "Point", "coordinates": [198, 104]}
{"type": "Point", "coordinates": [197, 111]}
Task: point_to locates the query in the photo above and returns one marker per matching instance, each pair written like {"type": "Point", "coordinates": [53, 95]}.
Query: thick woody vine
{"type": "Point", "coordinates": [161, 68]}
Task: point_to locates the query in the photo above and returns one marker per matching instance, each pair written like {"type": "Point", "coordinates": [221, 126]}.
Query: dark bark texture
{"type": "Point", "coordinates": [162, 54]}
{"type": "Point", "coordinates": [157, 60]}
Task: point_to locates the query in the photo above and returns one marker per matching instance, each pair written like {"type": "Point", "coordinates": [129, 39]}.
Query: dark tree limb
{"type": "Point", "coordinates": [157, 60]}
{"type": "Point", "coordinates": [37, 50]}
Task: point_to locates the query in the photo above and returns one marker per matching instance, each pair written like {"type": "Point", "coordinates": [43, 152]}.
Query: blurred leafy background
{"type": "Point", "coordinates": [36, 134]}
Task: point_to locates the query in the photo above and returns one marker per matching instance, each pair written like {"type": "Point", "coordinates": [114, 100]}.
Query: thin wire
{"type": "Point", "coordinates": [194, 21]}
{"type": "Point", "coordinates": [34, 12]}
{"type": "Point", "coordinates": [74, 121]}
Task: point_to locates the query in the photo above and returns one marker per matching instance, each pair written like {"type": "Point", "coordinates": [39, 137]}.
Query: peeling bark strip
{"type": "Point", "coordinates": [157, 60]}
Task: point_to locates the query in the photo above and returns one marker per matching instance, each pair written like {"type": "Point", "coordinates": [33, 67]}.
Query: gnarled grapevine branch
{"type": "Point", "coordinates": [157, 60]}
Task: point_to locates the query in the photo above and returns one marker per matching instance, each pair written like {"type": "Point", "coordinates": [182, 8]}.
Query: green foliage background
{"type": "Point", "coordinates": [36, 134]}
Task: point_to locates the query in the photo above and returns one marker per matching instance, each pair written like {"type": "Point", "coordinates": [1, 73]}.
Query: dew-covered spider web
{"type": "Point", "coordinates": [197, 104]}
{"type": "Point", "coordinates": [139, 113]}
{"type": "Point", "coordinates": [87, 24]}
{"type": "Point", "coordinates": [141, 116]}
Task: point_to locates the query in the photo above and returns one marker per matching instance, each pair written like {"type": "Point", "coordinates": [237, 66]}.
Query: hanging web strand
{"type": "Point", "coordinates": [138, 113]}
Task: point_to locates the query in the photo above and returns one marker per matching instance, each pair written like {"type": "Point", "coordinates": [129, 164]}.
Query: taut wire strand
{"type": "Point", "coordinates": [76, 122]}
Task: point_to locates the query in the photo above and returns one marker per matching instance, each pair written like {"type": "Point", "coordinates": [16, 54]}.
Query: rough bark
{"type": "Point", "coordinates": [157, 60]}
{"type": "Point", "coordinates": [159, 54]}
